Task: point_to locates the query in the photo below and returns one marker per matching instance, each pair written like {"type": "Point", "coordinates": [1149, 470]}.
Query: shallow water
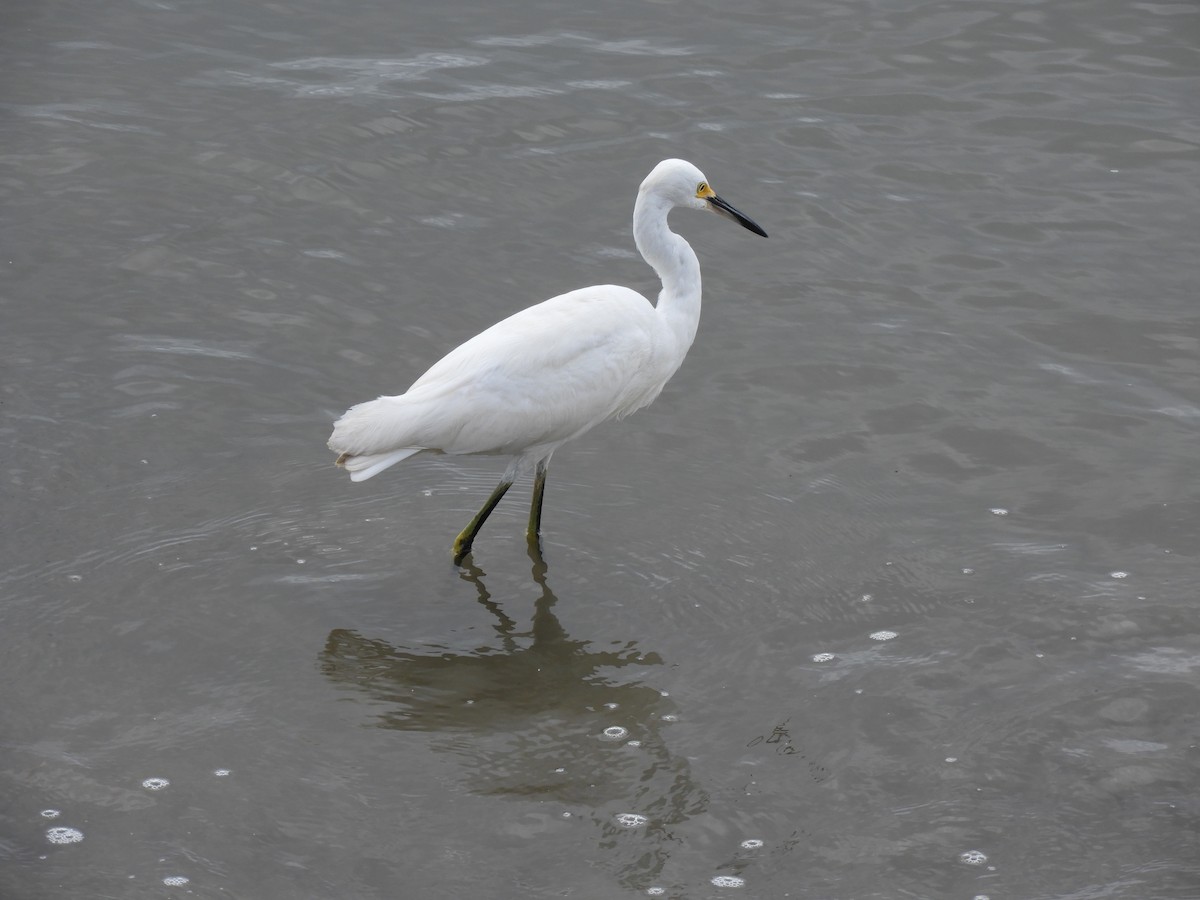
{"type": "Point", "coordinates": [890, 594]}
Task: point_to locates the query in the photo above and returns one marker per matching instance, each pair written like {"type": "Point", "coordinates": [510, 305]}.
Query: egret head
{"type": "Point", "coordinates": [682, 184]}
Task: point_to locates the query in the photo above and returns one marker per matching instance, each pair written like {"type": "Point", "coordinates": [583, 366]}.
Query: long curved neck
{"type": "Point", "coordinates": [675, 262]}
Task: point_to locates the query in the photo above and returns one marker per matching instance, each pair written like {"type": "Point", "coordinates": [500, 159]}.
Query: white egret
{"type": "Point", "coordinates": [549, 373]}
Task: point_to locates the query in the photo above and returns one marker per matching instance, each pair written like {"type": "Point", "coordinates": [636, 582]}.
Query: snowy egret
{"type": "Point", "coordinates": [549, 373]}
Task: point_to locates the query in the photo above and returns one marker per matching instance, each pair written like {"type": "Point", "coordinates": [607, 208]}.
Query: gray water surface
{"type": "Point", "coordinates": [892, 593]}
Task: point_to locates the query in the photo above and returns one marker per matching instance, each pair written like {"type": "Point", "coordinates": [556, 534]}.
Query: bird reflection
{"type": "Point", "coordinates": [537, 714]}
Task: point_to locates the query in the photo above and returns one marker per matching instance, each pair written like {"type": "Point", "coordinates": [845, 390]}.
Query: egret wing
{"type": "Point", "coordinates": [543, 375]}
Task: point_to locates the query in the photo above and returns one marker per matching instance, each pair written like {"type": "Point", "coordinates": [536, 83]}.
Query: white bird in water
{"type": "Point", "coordinates": [546, 375]}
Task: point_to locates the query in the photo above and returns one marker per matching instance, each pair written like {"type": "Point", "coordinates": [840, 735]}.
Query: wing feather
{"type": "Point", "coordinates": [540, 377]}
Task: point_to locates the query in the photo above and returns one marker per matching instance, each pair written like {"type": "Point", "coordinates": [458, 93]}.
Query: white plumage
{"type": "Point", "coordinates": [549, 373]}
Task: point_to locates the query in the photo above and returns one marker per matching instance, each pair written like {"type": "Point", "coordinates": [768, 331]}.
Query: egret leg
{"type": "Point", "coordinates": [535, 509]}
{"type": "Point", "coordinates": [462, 543]}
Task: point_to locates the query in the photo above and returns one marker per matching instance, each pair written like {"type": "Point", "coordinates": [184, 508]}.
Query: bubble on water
{"type": "Point", "coordinates": [75, 578]}
{"type": "Point", "coordinates": [630, 820]}
{"type": "Point", "coordinates": [670, 718]}
{"type": "Point", "coordinates": [858, 690]}
{"type": "Point", "coordinates": [664, 693]}
{"type": "Point", "coordinates": [1118, 574]}
{"type": "Point", "coordinates": [981, 897]}
{"type": "Point", "coordinates": [633, 743]}
{"type": "Point", "coordinates": [615, 733]}
{"type": "Point", "coordinates": [972, 857]}
{"type": "Point", "coordinates": [566, 815]}
{"type": "Point", "coordinates": [823, 657]}
{"type": "Point", "coordinates": [998, 511]}
{"type": "Point", "coordinates": [951, 759]}
{"type": "Point", "coordinates": [882, 635]}
{"type": "Point", "coordinates": [968, 571]}
{"type": "Point", "coordinates": [728, 881]}
{"type": "Point", "coordinates": [221, 773]}
{"type": "Point", "coordinates": [63, 835]}
{"type": "Point", "coordinates": [51, 813]}
{"type": "Point", "coordinates": [751, 844]}
{"type": "Point", "coordinates": [611, 705]}
{"type": "Point", "coordinates": [866, 598]}
{"type": "Point", "coordinates": [155, 784]}
{"type": "Point", "coordinates": [656, 891]}
{"type": "Point", "coordinates": [559, 770]}
{"type": "Point", "coordinates": [176, 880]}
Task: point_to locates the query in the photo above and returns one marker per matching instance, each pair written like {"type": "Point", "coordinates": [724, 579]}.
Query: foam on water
{"type": "Point", "coordinates": [63, 835]}
{"type": "Point", "coordinates": [882, 635]}
{"type": "Point", "coordinates": [51, 813]}
{"type": "Point", "coordinates": [822, 657]}
{"type": "Point", "coordinates": [728, 881]}
{"type": "Point", "coordinates": [615, 733]}
{"type": "Point", "coordinates": [630, 820]}
{"type": "Point", "coordinates": [751, 844]}
{"type": "Point", "coordinates": [972, 857]}
{"type": "Point", "coordinates": [176, 880]}
{"type": "Point", "coordinates": [155, 784]}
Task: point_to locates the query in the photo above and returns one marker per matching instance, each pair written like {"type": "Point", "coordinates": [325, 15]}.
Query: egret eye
{"type": "Point", "coordinates": [702, 189]}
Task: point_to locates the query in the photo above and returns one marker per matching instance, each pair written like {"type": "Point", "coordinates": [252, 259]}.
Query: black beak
{"type": "Point", "coordinates": [716, 204]}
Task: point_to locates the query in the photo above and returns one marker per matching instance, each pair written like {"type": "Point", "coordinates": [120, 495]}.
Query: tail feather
{"type": "Point", "coordinates": [372, 436]}
{"type": "Point", "coordinates": [363, 467]}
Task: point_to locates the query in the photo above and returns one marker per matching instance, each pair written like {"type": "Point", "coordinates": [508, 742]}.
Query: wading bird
{"type": "Point", "coordinates": [546, 375]}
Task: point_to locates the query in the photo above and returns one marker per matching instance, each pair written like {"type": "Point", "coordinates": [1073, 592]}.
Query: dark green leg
{"type": "Point", "coordinates": [535, 510]}
{"type": "Point", "coordinates": [462, 543]}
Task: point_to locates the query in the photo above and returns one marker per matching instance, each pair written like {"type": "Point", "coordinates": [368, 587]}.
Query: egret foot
{"type": "Point", "coordinates": [533, 548]}
{"type": "Point", "coordinates": [462, 543]}
{"type": "Point", "coordinates": [462, 547]}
